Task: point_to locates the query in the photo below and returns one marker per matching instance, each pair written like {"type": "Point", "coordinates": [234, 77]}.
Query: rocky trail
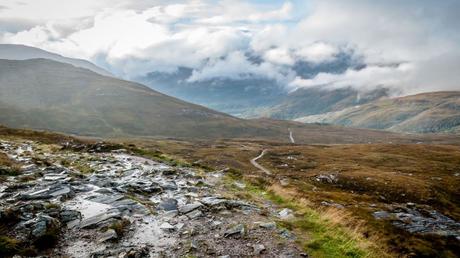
{"type": "Point", "coordinates": [79, 202]}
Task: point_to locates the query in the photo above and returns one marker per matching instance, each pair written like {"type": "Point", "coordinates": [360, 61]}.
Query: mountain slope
{"type": "Point", "coordinates": [45, 94]}
{"type": "Point", "coordinates": [21, 52]}
{"type": "Point", "coordinates": [316, 100]}
{"type": "Point", "coordinates": [421, 113]}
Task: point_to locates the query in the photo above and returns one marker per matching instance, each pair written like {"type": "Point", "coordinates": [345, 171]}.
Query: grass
{"type": "Point", "coordinates": [8, 167]}
{"type": "Point", "coordinates": [8, 246]}
{"type": "Point", "coordinates": [120, 227]}
{"type": "Point", "coordinates": [321, 233]}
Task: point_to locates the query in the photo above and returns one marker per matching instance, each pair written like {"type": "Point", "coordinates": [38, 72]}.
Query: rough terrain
{"type": "Point", "coordinates": [78, 200]}
{"type": "Point", "coordinates": [406, 195]}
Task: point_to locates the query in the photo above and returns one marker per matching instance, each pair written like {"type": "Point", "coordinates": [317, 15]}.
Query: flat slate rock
{"type": "Point", "coordinates": [189, 207]}
{"type": "Point", "coordinates": [93, 221]}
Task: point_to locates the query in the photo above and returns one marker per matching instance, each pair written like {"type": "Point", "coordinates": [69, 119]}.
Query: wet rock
{"type": "Point", "coordinates": [168, 204]}
{"type": "Point", "coordinates": [106, 199]}
{"type": "Point", "coordinates": [48, 192]}
{"type": "Point", "coordinates": [286, 234]}
{"type": "Point", "coordinates": [284, 182]}
{"type": "Point", "coordinates": [189, 207]}
{"type": "Point", "coordinates": [110, 234]}
{"type": "Point", "coordinates": [94, 221]}
{"type": "Point", "coordinates": [335, 205]}
{"type": "Point", "coordinates": [69, 215]}
{"type": "Point", "coordinates": [43, 225]}
{"type": "Point", "coordinates": [212, 201]}
{"type": "Point", "coordinates": [285, 214]}
{"type": "Point", "coordinates": [258, 249]}
{"type": "Point", "coordinates": [331, 178]}
{"type": "Point", "coordinates": [268, 225]}
{"type": "Point", "coordinates": [169, 186]}
{"type": "Point", "coordinates": [166, 226]}
{"type": "Point", "coordinates": [194, 245]}
{"type": "Point", "coordinates": [381, 214]}
{"type": "Point", "coordinates": [194, 214]}
{"type": "Point", "coordinates": [142, 187]}
{"type": "Point", "coordinates": [218, 202]}
{"type": "Point", "coordinates": [236, 231]}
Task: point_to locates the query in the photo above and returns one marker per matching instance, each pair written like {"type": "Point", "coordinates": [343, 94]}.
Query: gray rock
{"type": "Point", "coordinates": [194, 214]}
{"type": "Point", "coordinates": [106, 199]}
{"type": "Point", "coordinates": [327, 178]}
{"type": "Point", "coordinates": [381, 214]}
{"type": "Point", "coordinates": [168, 204]}
{"type": "Point", "coordinates": [285, 214]}
{"type": "Point", "coordinates": [238, 231]}
{"type": "Point", "coordinates": [268, 225]}
{"type": "Point", "coordinates": [47, 193]}
{"type": "Point", "coordinates": [189, 207]}
{"type": "Point", "coordinates": [287, 234]}
{"type": "Point", "coordinates": [142, 187]}
{"type": "Point", "coordinates": [169, 186]}
{"type": "Point", "coordinates": [69, 215]}
{"type": "Point", "coordinates": [110, 234]}
{"type": "Point", "coordinates": [44, 224]}
{"type": "Point", "coordinates": [258, 248]}
{"type": "Point", "coordinates": [93, 222]}
{"type": "Point", "coordinates": [166, 226]}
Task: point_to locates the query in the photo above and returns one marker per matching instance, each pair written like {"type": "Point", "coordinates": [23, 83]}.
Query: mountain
{"type": "Point", "coordinates": [48, 95]}
{"type": "Point", "coordinates": [251, 96]}
{"type": "Point", "coordinates": [44, 94]}
{"type": "Point", "coordinates": [21, 52]}
{"type": "Point", "coordinates": [422, 113]}
{"type": "Point", "coordinates": [232, 96]}
{"type": "Point", "coordinates": [317, 100]}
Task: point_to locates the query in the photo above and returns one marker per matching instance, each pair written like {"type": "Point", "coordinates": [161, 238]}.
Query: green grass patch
{"type": "Point", "coordinates": [318, 236]}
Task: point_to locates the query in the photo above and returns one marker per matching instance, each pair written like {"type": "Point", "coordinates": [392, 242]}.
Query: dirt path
{"type": "Point", "coordinates": [130, 206]}
{"type": "Point", "coordinates": [291, 136]}
{"type": "Point", "coordinates": [257, 165]}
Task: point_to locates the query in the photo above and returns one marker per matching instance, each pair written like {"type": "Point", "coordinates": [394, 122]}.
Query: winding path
{"type": "Point", "coordinates": [291, 136]}
{"type": "Point", "coordinates": [257, 165]}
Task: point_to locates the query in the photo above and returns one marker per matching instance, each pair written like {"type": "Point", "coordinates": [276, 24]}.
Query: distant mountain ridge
{"type": "Point", "coordinates": [49, 95]}
{"type": "Point", "coordinates": [431, 112]}
{"type": "Point", "coordinates": [22, 52]}
{"type": "Point", "coordinates": [44, 94]}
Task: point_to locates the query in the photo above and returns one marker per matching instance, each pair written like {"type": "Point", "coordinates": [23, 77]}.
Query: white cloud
{"type": "Point", "coordinates": [318, 53]}
{"type": "Point", "coordinates": [133, 38]}
{"type": "Point", "coordinates": [365, 79]}
{"type": "Point", "coordinates": [279, 56]}
{"type": "Point", "coordinates": [236, 66]}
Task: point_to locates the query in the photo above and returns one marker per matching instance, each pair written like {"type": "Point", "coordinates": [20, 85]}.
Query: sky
{"type": "Point", "coordinates": [409, 46]}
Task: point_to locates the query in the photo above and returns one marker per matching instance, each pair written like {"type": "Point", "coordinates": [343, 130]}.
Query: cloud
{"type": "Point", "coordinates": [279, 56]}
{"type": "Point", "coordinates": [236, 66]}
{"type": "Point", "coordinates": [319, 52]}
{"type": "Point", "coordinates": [410, 46]}
{"type": "Point", "coordinates": [365, 79]}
